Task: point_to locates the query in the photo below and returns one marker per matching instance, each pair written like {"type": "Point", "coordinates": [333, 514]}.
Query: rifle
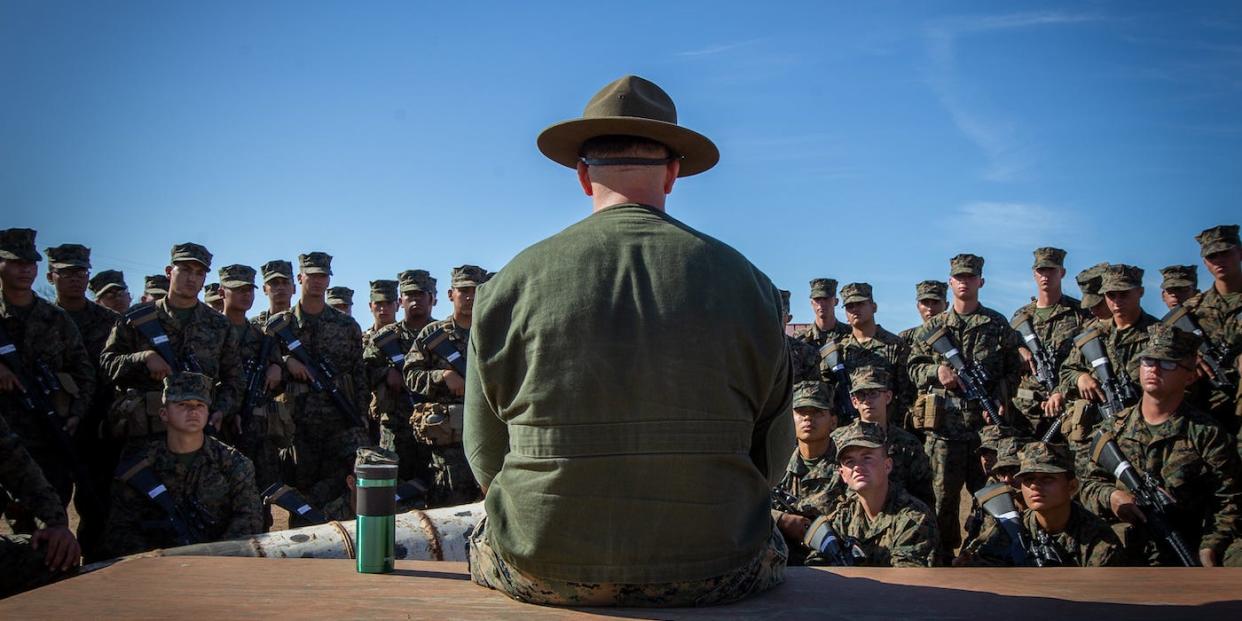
{"type": "Point", "coordinates": [322, 376]}
{"type": "Point", "coordinates": [830, 353]}
{"type": "Point", "coordinates": [820, 537]}
{"type": "Point", "coordinates": [970, 376]}
{"type": "Point", "coordinates": [1045, 367]}
{"type": "Point", "coordinates": [389, 345]}
{"type": "Point", "coordinates": [1155, 503]}
{"type": "Point", "coordinates": [187, 531]}
{"type": "Point", "coordinates": [1213, 354]}
{"type": "Point", "coordinates": [1117, 391]}
{"type": "Point", "coordinates": [291, 500]}
{"type": "Point", "coordinates": [145, 319]}
{"type": "Point", "coordinates": [34, 395]}
{"type": "Point", "coordinates": [256, 389]}
{"type": "Point", "coordinates": [997, 500]}
{"type": "Point", "coordinates": [437, 341]}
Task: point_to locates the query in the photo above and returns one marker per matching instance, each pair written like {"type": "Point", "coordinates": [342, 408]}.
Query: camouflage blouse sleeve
{"type": "Point", "coordinates": [124, 355]}
{"type": "Point", "coordinates": [1073, 366]}
{"type": "Point", "coordinates": [1215, 445]}
{"type": "Point", "coordinates": [77, 364]}
{"type": "Point", "coordinates": [422, 374]}
{"type": "Point", "coordinates": [22, 479]}
{"type": "Point", "coordinates": [374, 362]}
{"type": "Point", "coordinates": [357, 371]}
{"type": "Point", "coordinates": [231, 383]}
{"type": "Point", "coordinates": [124, 532]}
{"type": "Point", "coordinates": [914, 540]}
{"type": "Point", "coordinates": [1103, 551]}
{"type": "Point", "coordinates": [922, 364]}
{"type": "Point", "coordinates": [247, 517]}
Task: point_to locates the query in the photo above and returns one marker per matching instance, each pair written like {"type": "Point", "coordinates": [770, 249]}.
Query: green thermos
{"type": "Point", "coordinates": [375, 531]}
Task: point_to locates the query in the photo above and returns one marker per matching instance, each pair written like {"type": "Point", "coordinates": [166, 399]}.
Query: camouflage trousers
{"type": "Point", "coordinates": [22, 567]}
{"type": "Point", "coordinates": [452, 480]}
{"type": "Point", "coordinates": [321, 456]}
{"type": "Point", "coordinates": [763, 572]}
{"type": "Point", "coordinates": [953, 464]}
{"type": "Point", "coordinates": [413, 457]}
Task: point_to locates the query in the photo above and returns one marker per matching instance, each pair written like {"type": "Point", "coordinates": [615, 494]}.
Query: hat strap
{"type": "Point", "coordinates": [628, 161]}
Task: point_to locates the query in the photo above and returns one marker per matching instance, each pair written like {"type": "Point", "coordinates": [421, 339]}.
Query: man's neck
{"type": "Point", "coordinates": [813, 450]}
{"type": "Point", "coordinates": [1054, 520]}
{"type": "Point", "coordinates": [415, 324]}
{"type": "Point", "coordinates": [313, 306]}
{"type": "Point", "coordinates": [965, 307]}
{"type": "Point", "coordinates": [1045, 299]}
{"type": "Point", "coordinates": [71, 304]}
{"type": "Point", "coordinates": [827, 324]}
{"type": "Point", "coordinates": [873, 499]}
{"type": "Point", "coordinates": [236, 316]}
{"type": "Point", "coordinates": [180, 301]}
{"type": "Point", "coordinates": [274, 308]}
{"type": "Point", "coordinates": [1123, 321]}
{"type": "Point", "coordinates": [18, 297]}
{"type": "Point", "coordinates": [1157, 410]}
{"type": "Point", "coordinates": [863, 331]}
{"type": "Point", "coordinates": [182, 443]}
{"type": "Point", "coordinates": [604, 198]}
{"type": "Point", "coordinates": [1230, 283]}
{"type": "Point", "coordinates": [462, 321]}
{"type": "Point", "coordinates": [875, 416]}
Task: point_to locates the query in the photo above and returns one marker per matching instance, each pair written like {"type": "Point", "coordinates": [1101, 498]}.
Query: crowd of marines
{"type": "Point", "coordinates": [173, 420]}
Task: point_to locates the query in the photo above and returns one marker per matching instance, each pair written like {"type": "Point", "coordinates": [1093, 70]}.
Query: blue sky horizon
{"type": "Point", "coordinates": [858, 143]}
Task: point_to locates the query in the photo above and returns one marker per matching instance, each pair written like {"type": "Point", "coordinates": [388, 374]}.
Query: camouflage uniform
{"type": "Point", "coordinates": [985, 338]}
{"type": "Point", "coordinates": [381, 291]}
{"type": "Point", "coordinates": [21, 566]}
{"type": "Point", "coordinates": [342, 509]}
{"type": "Point", "coordinates": [155, 286]}
{"type": "Point", "coordinates": [341, 296]}
{"type": "Point", "coordinates": [1190, 455]}
{"type": "Point", "coordinates": [883, 350]}
{"type": "Point", "coordinates": [991, 438]}
{"type": "Point", "coordinates": [903, 534]}
{"type": "Point", "coordinates": [44, 335]}
{"type": "Point", "coordinates": [215, 484]}
{"type": "Point", "coordinates": [1055, 326]}
{"type": "Point", "coordinates": [1220, 316]}
{"type": "Point", "coordinates": [911, 468]}
{"type": "Point", "coordinates": [396, 434]}
{"type": "Point", "coordinates": [1086, 540]}
{"type": "Point", "coordinates": [924, 290]}
{"type": "Point", "coordinates": [213, 297]}
{"type": "Point", "coordinates": [323, 443]}
{"type": "Point", "coordinates": [1089, 281]}
{"type": "Point", "coordinates": [813, 335]}
{"type": "Point", "coordinates": [93, 446]}
{"type": "Point", "coordinates": [277, 268]}
{"type": "Point", "coordinates": [803, 356]}
{"type": "Point", "coordinates": [815, 483]}
{"type": "Point", "coordinates": [199, 332]}
{"type": "Point", "coordinates": [103, 283]}
{"type": "Point", "coordinates": [438, 421]}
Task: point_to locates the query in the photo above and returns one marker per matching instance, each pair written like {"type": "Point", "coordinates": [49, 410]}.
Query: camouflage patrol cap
{"type": "Point", "coordinates": [212, 293]}
{"type": "Point", "coordinates": [856, 292]}
{"type": "Point", "coordinates": [1089, 284]}
{"type": "Point", "coordinates": [19, 245]}
{"type": "Point", "coordinates": [187, 386]}
{"type": "Point", "coordinates": [823, 288]}
{"type": "Point", "coordinates": [236, 275]}
{"type": "Point", "coordinates": [375, 456]}
{"type": "Point", "coordinates": [862, 434]}
{"type": "Point", "coordinates": [277, 269]}
{"type": "Point", "coordinates": [868, 378]}
{"type": "Point", "coordinates": [1007, 453]}
{"type": "Point", "coordinates": [931, 290]}
{"type": "Point", "coordinates": [69, 255]}
{"type": "Point", "coordinates": [966, 263]}
{"type": "Point", "coordinates": [1170, 343]}
{"type": "Point", "coordinates": [469, 276]}
{"type": "Point", "coordinates": [417, 280]}
{"type": "Point", "coordinates": [341, 295]}
{"type": "Point", "coordinates": [1121, 277]}
{"type": "Point", "coordinates": [1049, 257]}
{"type": "Point", "coordinates": [107, 280]}
{"type": "Point", "coordinates": [785, 293]}
{"type": "Point", "coordinates": [1045, 457]}
{"type": "Point", "coordinates": [315, 263]}
{"type": "Point", "coordinates": [812, 394]}
{"type": "Point", "coordinates": [989, 437]}
{"type": "Point", "coordinates": [155, 284]}
{"type": "Point", "coordinates": [190, 251]}
{"type": "Point", "coordinates": [1218, 239]}
{"type": "Point", "coordinates": [1180, 276]}
{"type": "Point", "coordinates": [384, 291]}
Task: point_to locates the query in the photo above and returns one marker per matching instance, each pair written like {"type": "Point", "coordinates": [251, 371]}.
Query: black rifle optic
{"type": "Point", "coordinates": [437, 341]}
{"type": "Point", "coordinates": [971, 377]}
{"type": "Point", "coordinates": [256, 390]}
{"type": "Point", "coordinates": [830, 354]}
{"type": "Point", "coordinates": [1214, 355]}
{"type": "Point", "coordinates": [322, 377]}
{"type": "Point", "coordinates": [34, 395]}
{"type": "Point", "coordinates": [1155, 503]}
{"type": "Point", "coordinates": [145, 319]}
{"type": "Point", "coordinates": [820, 537]}
{"type": "Point", "coordinates": [1117, 391]}
{"type": "Point", "coordinates": [390, 345]}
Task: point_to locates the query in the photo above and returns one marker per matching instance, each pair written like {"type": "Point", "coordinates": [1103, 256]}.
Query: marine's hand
{"type": "Point", "coordinates": [1054, 405]}
{"type": "Point", "coordinates": [273, 376]}
{"type": "Point", "coordinates": [394, 381]}
{"type": "Point", "coordinates": [1089, 388]}
{"type": "Point", "coordinates": [947, 377]}
{"type": "Point", "coordinates": [215, 419]}
{"type": "Point", "coordinates": [62, 551]}
{"type": "Point", "coordinates": [454, 382]}
{"type": "Point", "coordinates": [1122, 504]}
{"type": "Point", "coordinates": [157, 368]}
{"type": "Point", "coordinates": [71, 424]}
{"type": "Point", "coordinates": [8, 381]}
{"type": "Point", "coordinates": [793, 526]}
{"type": "Point", "coordinates": [297, 370]}
{"type": "Point", "coordinates": [1029, 359]}
{"type": "Point", "coordinates": [1207, 557]}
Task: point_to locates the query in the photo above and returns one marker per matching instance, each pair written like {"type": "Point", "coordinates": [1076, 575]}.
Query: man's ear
{"type": "Point", "coordinates": [584, 179]}
{"type": "Point", "coordinates": [671, 170]}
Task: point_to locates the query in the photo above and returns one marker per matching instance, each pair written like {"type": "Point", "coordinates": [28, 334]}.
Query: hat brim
{"type": "Point", "coordinates": [275, 275]}
{"type": "Point", "coordinates": [858, 444]}
{"type": "Point", "coordinates": [959, 272]}
{"type": "Point", "coordinates": [1041, 469]}
{"type": "Point", "coordinates": [562, 142]}
{"type": "Point", "coordinates": [6, 255]}
{"type": "Point", "coordinates": [1177, 282]}
{"type": "Point", "coordinates": [856, 298]}
{"type": "Point", "coordinates": [1091, 300]}
{"type": "Point", "coordinates": [930, 296]}
{"type": "Point", "coordinates": [316, 270]}
{"type": "Point", "coordinates": [234, 284]}
{"type": "Point", "coordinates": [1215, 247]}
{"type": "Point", "coordinates": [1105, 289]}
{"type": "Point", "coordinates": [1039, 264]}
{"type": "Point", "coordinates": [812, 403]}
{"type": "Point", "coordinates": [62, 265]}
{"type": "Point", "coordinates": [109, 287]}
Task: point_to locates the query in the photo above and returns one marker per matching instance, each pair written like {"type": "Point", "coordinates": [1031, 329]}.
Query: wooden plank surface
{"type": "Point", "coordinates": [246, 588]}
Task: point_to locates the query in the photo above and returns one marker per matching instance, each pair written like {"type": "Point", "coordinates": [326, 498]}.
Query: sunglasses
{"type": "Point", "coordinates": [1165, 365]}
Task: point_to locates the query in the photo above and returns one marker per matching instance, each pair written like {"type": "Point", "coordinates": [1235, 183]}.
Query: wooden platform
{"type": "Point", "coordinates": [247, 588]}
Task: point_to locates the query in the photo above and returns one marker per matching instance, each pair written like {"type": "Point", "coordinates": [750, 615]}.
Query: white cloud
{"type": "Point", "coordinates": [1021, 224]}
{"type": "Point", "coordinates": [713, 50]}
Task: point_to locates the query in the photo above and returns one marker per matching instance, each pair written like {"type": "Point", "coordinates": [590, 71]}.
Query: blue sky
{"type": "Point", "coordinates": [865, 144]}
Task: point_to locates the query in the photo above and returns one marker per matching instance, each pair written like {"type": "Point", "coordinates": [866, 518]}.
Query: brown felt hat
{"type": "Point", "coordinates": [629, 106]}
